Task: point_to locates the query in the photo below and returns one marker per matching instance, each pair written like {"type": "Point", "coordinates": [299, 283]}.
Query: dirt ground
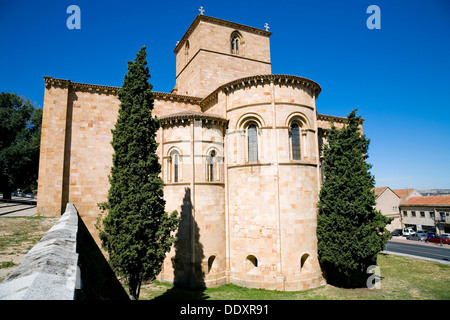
{"type": "Point", "coordinates": [17, 236]}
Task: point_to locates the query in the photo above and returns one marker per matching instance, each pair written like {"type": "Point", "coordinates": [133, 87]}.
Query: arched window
{"type": "Point", "coordinates": [210, 262]}
{"type": "Point", "coordinates": [295, 141]}
{"type": "Point", "coordinates": [253, 261]}
{"type": "Point", "coordinates": [252, 136]}
{"type": "Point", "coordinates": [211, 161]}
{"type": "Point", "coordinates": [236, 42]}
{"type": "Point", "coordinates": [303, 261]}
{"type": "Point", "coordinates": [174, 157]}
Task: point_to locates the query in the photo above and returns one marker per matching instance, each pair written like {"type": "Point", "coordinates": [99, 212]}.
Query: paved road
{"type": "Point", "coordinates": [18, 207]}
{"type": "Point", "coordinates": [423, 250]}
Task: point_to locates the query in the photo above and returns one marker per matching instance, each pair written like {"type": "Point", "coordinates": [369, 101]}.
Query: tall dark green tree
{"type": "Point", "coordinates": [350, 231]}
{"type": "Point", "coordinates": [136, 232]}
{"type": "Point", "coordinates": [20, 137]}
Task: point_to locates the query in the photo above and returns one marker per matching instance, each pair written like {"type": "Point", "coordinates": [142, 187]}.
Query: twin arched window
{"type": "Point", "coordinates": [236, 43]}
{"type": "Point", "coordinates": [174, 169]}
{"type": "Point", "coordinates": [296, 134]}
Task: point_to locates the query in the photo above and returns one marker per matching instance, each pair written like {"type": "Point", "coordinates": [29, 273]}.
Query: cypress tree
{"type": "Point", "coordinates": [350, 231]}
{"type": "Point", "coordinates": [137, 232]}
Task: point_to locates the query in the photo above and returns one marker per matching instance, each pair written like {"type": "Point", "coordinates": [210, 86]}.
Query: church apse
{"type": "Point", "coordinates": [239, 152]}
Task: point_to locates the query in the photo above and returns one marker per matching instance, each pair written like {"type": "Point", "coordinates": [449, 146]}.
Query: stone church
{"type": "Point", "coordinates": [240, 155]}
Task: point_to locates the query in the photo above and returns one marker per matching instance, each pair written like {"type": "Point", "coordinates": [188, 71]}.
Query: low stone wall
{"type": "Point", "coordinates": [49, 270]}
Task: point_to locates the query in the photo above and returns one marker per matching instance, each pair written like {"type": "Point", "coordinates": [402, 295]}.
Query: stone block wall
{"type": "Point", "coordinates": [204, 59]}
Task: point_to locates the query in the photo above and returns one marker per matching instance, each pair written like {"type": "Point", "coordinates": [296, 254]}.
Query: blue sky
{"type": "Point", "coordinates": [398, 77]}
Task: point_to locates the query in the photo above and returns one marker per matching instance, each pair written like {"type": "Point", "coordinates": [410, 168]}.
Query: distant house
{"type": "Point", "coordinates": [388, 203]}
{"type": "Point", "coordinates": [427, 213]}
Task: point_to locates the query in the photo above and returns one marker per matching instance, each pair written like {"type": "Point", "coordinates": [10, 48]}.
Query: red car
{"type": "Point", "coordinates": [437, 239]}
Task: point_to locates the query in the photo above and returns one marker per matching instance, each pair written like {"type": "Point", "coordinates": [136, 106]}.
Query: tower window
{"type": "Point", "coordinates": [236, 43]}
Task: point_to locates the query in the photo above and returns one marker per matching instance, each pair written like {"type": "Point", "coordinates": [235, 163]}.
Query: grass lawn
{"type": "Point", "coordinates": [402, 279]}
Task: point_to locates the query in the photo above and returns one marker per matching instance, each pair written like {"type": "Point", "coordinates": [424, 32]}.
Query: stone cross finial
{"type": "Point", "coordinates": [266, 26]}
{"type": "Point", "coordinates": [201, 10]}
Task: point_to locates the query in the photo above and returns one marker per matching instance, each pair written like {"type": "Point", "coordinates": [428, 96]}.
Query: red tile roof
{"type": "Point", "coordinates": [403, 193]}
{"type": "Point", "coordinates": [428, 200]}
{"type": "Point", "coordinates": [378, 191]}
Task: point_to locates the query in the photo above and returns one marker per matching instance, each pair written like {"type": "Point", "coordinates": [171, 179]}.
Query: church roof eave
{"type": "Point", "coordinates": [189, 115]}
{"type": "Point", "coordinates": [253, 80]}
{"type": "Point", "coordinates": [50, 81]}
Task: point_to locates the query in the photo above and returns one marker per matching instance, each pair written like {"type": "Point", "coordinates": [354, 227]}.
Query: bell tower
{"type": "Point", "coordinates": [213, 52]}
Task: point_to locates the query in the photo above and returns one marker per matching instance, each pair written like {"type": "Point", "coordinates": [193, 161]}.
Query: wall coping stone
{"type": "Point", "coordinates": [49, 270]}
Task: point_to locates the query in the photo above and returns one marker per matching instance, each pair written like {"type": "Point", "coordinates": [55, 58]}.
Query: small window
{"type": "Point", "coordinates": [211, 160]}
{"type": "Point", "coordinates": [210, 262]}
{"type": "Point", "coordinates": [405, 213]}
{"type": "Point", "coordinates": [253, 260]}
{"type": "Point", "coordinates": [303, 260]}
{"type": "Point", "coordinates": [295, 141]}
{"type": "Point", "coordinates": [174, 157]}
{"type": "Point", "coordinates": [422, 214]}
{"type": "Point", "coordinates": [252, 133]}
{"type": "Point", "coordinates": [413, 213]}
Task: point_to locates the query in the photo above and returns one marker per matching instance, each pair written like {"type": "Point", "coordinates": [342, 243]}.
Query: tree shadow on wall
{"type": "Point", "coordinates": [189, 278]}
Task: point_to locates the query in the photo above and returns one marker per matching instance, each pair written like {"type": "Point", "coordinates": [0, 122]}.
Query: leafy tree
{"type": "Point", "coordinates": [137, 232]}
{"type": "Point", "coordinates": [20, 135]}
{"type": "Point", "coordinates": [350, 231]}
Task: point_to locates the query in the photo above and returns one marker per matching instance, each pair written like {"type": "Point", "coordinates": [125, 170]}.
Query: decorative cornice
{"type": "Point", "coordinates": [239, 83]}
{"type": "Point", "coordinates": [336, 119]}
{"type": "Point", "coordinates": [176, 97]}
{"type": "Point", "coordinates": [64, 83]}
{"type": "Point", "coordinates": [188, 115]}
{"type": "Point", "coordinates": [219, 22]}
{"type": "Point", "coordinates": [277, 79]}
{"type": "Point", "coordinates": [95, 88]}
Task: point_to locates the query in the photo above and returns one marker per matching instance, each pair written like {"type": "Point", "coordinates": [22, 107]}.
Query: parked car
{"type": "Point", "coordinates": [29, 195]}
{"type": "Point", "coordinates": [408, 231]}
{"type": "Point", "coordinates": [17, 193]}
{"type": "Point", "coordinates": [422, 232]}
{"type": "Point", "coordinates": [432, 237]}
{"type": "Point", "coordinates": [445, 238]}
{"type": "Point", "coordinates": [417, 236]}
{"type": "Point", "coordinates": [397, 232]}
